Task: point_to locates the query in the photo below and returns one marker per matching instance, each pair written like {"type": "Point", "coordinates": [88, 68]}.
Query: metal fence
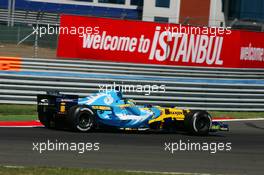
{"type": "Point", "coordinates": [18, 18]}
{"type": "Point", "coordinates": [192, 87]}
{"type": "Point", "coordinates": [20, 40]}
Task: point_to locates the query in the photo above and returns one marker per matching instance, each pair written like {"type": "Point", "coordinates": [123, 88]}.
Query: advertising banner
{"type": "Point", "coordinates": [158, 43]}
{"type": "Point", "coordinates": [10, 63]}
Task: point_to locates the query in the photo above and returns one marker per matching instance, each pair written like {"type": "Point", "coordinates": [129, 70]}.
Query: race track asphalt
{"type": "Point", "coordinates": [139, 151]}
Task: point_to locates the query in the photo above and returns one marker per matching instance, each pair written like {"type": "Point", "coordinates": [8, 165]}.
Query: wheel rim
{"type": "Point", "coordinates": [202, 123]}
{"type": "Point", "coordinates": [85, 122]}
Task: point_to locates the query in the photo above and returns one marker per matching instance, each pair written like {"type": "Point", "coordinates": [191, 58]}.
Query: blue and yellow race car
{"type": "Point", "coordinates": [110, 110]}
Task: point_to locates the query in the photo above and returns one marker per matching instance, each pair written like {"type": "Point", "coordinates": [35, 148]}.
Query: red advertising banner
{"type": "Point", "coordinates": [156, 43]}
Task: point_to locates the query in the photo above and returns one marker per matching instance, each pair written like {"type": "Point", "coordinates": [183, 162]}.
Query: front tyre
{"type": "Point", "coordinates": [81, 118]}
{"type": "Point", "coordinates": [198, 122]}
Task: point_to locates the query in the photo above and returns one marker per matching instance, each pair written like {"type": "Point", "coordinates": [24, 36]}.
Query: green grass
{"type": "Point", "coordinates": [64, 171]}
{"type": "Point", "coordinates": [29, 112]}
{"type": "Point", "coordinates": [17, 112]}
{"type": "Point", "coordinates": [239, 115]}
{"type": "Point", "coordinates": [7, 109]}
{"type": "Point", "coordinates": [18, 117]}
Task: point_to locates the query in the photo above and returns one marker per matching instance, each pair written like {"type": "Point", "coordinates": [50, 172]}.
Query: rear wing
{"type": "Point", "coordinates": [55, 103]}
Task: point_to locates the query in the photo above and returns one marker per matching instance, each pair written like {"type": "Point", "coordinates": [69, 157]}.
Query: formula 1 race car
{"type": "Point", "coordinates": [111, 110]}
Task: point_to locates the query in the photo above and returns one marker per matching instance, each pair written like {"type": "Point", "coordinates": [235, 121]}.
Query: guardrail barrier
{"type": "Point", "coordinates": [229, 89]}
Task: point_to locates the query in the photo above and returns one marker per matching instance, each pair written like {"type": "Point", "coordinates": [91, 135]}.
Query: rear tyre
{"type": "Point", "coordinates": [81, 118]}
{"type": "Point", "coordinates": [198, 122]}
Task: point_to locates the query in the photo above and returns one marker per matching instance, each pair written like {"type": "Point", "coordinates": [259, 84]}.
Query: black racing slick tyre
{"type": "Point", "coordinates": [81, 118]}
{"type": "Point", "coordinates": [198, 122]}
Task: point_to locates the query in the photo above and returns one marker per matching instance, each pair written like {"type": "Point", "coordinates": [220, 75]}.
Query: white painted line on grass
{"type": "Point", "coordinates": [167, 173]}
{"type": "Point", "coordinates": [13, 166]}
{"type": "Point", "coordinates": [21, 126]}
{"type": "Point", "coordinates": [238, 120]}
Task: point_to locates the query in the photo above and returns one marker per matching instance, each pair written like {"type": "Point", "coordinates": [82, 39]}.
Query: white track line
{"type": "Point", "coordinates": [167, 173]}
{"type": "Point", "coordinates": [237, 120]}
{"type": "Point", "coordinates": [13, 166]}
{"type": "Point", "coordinates": [21, 126]}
